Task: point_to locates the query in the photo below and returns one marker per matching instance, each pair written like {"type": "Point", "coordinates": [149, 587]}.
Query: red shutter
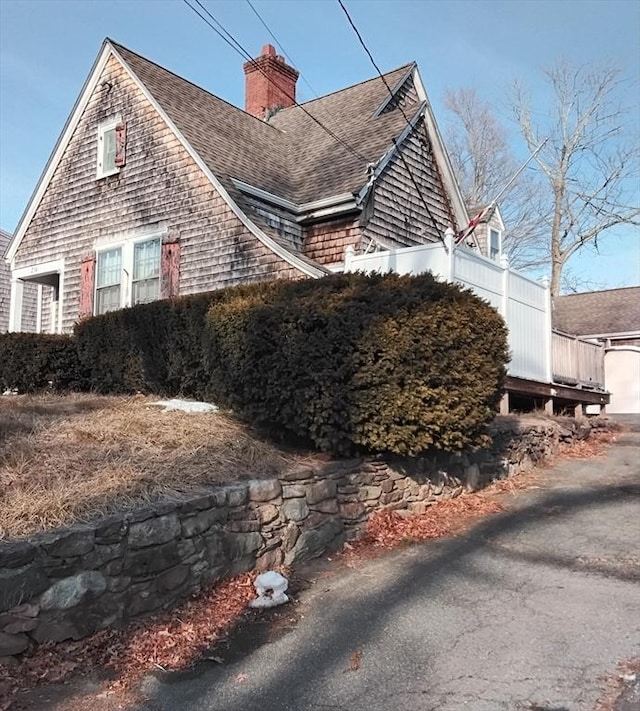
{"type": "Point", "coordinates": [87, 275]}
{"type": "Point", "coordinates": [121, 145]}
{"type": "Point", "coordinates": [169, 267]}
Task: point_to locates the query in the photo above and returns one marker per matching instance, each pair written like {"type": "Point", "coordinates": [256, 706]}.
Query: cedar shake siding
{"type": "Point", "coordinates": [325, 242]}
{"type": "Point", "coordinates": [5, 283]}
{"type": "Point", "coordinates": [160, 185]}
{"type": "Point", "coordinates": [405, 96]}
{"type": "Point", "coordinates": [398, 214]}
{"type": "Point", "coordinates": [277, 219]}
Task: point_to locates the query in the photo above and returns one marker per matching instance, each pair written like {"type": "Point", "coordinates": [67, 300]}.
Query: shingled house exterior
{"type": "Point", "coordinates": [157, 188]}
{"type": "Point", "coordinates": [5, 283]}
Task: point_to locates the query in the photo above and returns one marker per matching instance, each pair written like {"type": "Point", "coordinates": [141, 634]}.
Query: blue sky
{"type": "Point", "coordinates": [47, 49]}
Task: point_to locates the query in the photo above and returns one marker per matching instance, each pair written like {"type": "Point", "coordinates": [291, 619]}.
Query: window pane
{"type": "Point", "coordinates": [145, 291]}
{"type": "Point", "coordinates": [109, 270]}
{"type": "Point", "coordinates": [494, 244]}
{"type": "Point", "coordinates": [146, 260]}
{"type": "Point", "coordinates": [109, 150]}
{"type": "Point", "coordinates": [107, 299]}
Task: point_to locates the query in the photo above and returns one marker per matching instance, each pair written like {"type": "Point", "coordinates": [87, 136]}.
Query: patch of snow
{"type": "Point", "coordinates": [186, 405]}
{"type": "Point", "coordinates": [270, 587]}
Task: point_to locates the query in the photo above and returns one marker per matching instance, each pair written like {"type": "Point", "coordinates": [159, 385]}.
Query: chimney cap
{"type": "Point", "coordinates": [268, 51]}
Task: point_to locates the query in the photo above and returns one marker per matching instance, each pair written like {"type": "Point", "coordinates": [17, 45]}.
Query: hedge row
{"type": "Point", "coordinates": [30, 362]}
{"type": "Point", "coordinates": [348, 362]}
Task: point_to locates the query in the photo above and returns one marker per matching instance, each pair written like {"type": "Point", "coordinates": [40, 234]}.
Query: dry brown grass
{"type": "Point", "coordinates": [73, 458]}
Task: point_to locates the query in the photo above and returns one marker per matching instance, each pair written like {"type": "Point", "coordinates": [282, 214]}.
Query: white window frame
{"type": "Point", "coordinates": [103, 129]}
{"type": "Point", "coordinates": [121, 284]}
{"type": "Point", "coordinates": [497, 256]}
{"type": "Point", "coordinates": [127, 248]}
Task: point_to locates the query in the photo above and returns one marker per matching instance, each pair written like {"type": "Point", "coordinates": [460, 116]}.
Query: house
{"type": "Point", "coordinates": [158, 188]}
{"type": "Point", "coordinates": [610, 317]}
{"type": "Point", "coordinates": [5, 283]}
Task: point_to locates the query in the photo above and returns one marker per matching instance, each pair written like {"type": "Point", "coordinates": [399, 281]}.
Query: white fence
{"type": "Point", "coordinates": [524, 304]}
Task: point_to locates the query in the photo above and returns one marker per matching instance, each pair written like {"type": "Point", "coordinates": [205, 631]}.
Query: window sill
{"type": "Point", "coordinates": [101, 175]}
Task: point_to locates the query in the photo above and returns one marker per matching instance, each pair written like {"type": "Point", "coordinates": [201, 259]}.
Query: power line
{"type": "Point", "coordinates": [390, 90]}
{"type": "Point", "coordinates": [237, 47]}
{"type": "Point", "coordinates": [280, 47]}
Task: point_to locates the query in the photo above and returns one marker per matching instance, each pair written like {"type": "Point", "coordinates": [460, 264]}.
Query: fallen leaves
{"type": "Point", "coordinates": [389, 528]}
{"type": "Point", "coordinates": [594, 446]}
{"type": "Point", "coordinates": [354, 661]}
{"type": "Point", "coordinates": [170, 641]}
{"type": "Point", "coordinates": [614, 685]}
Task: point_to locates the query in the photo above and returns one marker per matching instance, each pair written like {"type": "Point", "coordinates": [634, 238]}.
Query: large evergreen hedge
{"type": "Point", "coordinates": [381, 363]}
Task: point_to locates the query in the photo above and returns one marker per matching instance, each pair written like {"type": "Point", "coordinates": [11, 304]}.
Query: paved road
{"type": "Point", "coordinates": [527, 611]}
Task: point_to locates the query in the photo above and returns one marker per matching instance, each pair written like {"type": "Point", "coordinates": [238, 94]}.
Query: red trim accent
{"type": "Point", "coordinates": [87, 276]}
{"type": "Point", "coordinates": [170, 267]}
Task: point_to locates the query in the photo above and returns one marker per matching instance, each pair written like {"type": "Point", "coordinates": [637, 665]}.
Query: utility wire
{"type": "Point", "coordinates": [280, 47]}
{"type": "Point", "coordinates": [390, 90]}
{"type": "Point", "coordinates": [237, 47]}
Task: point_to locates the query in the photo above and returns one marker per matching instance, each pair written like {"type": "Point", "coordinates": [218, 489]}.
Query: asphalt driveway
{"type": "Point", "coordinates": [529, 610]}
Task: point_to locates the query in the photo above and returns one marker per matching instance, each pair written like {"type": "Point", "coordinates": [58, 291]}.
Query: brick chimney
{"type": "Point", "coordinates": [269, 83]}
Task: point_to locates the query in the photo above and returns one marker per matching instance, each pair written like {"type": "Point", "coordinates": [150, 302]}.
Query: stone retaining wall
{"type": "Point", "coordinates": [71, 582]}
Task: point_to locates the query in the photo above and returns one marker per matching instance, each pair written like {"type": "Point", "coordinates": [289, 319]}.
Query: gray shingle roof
{"type": "Point", "coordinates": [598, 312]}
{"type": "Point", "coordinates": [291, 156]}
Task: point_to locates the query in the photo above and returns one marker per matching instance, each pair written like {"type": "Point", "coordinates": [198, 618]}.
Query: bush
{"type": "Point", "coordinates": [350, 362]}
{"type": "Point", "coordinates": [36, 361]}
{"type": "Point", "coordinates": [151, 348]}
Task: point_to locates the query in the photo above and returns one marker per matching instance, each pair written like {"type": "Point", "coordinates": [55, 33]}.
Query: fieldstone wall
{"type": "Point", "coordinates": [69, 583]}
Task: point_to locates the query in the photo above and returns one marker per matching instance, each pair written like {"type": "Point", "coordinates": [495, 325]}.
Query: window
{"type": "Point", "coordinates": [146, 271]}
{"type": "Point", "coordinates": [494, 244]}
{"type": "Point", "coordinates": [127, 274]}
{"type": "Point", "coordinates": [108, 280]}
{"type": "Point", "coordinates": [111, 147]}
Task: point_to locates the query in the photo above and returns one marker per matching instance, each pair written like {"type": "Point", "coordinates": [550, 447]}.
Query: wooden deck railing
{"type": "Point", "coordinates": [577, 362]}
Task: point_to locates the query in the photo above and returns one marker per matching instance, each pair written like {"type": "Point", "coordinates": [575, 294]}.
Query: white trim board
{"type": "Point", "coordinates": [442, 157]}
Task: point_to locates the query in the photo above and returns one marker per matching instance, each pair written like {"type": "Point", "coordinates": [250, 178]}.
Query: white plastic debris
{"type": "Point", "coordinates": [270, 587]}
{"type": "Point", "coordinates": [186, 405]}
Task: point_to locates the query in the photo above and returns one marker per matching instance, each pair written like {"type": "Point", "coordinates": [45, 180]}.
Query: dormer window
{"type": "Point", "coordinates": [111, 147]}
{"type": "Point", "coordinates": [494, 244]}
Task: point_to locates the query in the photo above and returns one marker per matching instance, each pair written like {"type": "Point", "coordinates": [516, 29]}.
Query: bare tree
{"type": "Point", "coordinates": [590, 163]}
{"type": "Point", "coordinates": [480, 152]}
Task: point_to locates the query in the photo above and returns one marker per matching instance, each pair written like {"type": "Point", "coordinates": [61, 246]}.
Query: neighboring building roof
{"type": "Point", "coordinates": [598, 312]}
{"type": "Point", "coordinates": [290, 156]}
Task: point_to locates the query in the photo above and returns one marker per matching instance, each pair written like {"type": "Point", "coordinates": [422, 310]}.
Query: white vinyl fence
{"type": "Point", "coordinates": [524, 303]}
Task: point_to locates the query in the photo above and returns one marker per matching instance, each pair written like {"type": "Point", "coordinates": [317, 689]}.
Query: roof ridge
{"type": "Point", "coordinates": [358, 83]}
{"type": "Point", "coordinates": [599, 291]}
{"type": "Point", "coordinates": [118, 46]}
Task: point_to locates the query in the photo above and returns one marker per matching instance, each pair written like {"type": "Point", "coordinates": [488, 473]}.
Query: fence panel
{"type": "Point", "coordinates": [577, 362]}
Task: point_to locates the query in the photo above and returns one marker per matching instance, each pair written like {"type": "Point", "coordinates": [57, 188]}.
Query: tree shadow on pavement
{"type": "Point", "coordinates": [364, 611]}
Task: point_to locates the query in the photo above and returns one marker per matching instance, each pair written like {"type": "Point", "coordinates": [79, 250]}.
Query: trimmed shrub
{"type": "Point", "coordinates": [36, 361]}
{"type": "Point", "coordinates": [353, 362]}
{"type": "Point", "coordinates": [151, 348]}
